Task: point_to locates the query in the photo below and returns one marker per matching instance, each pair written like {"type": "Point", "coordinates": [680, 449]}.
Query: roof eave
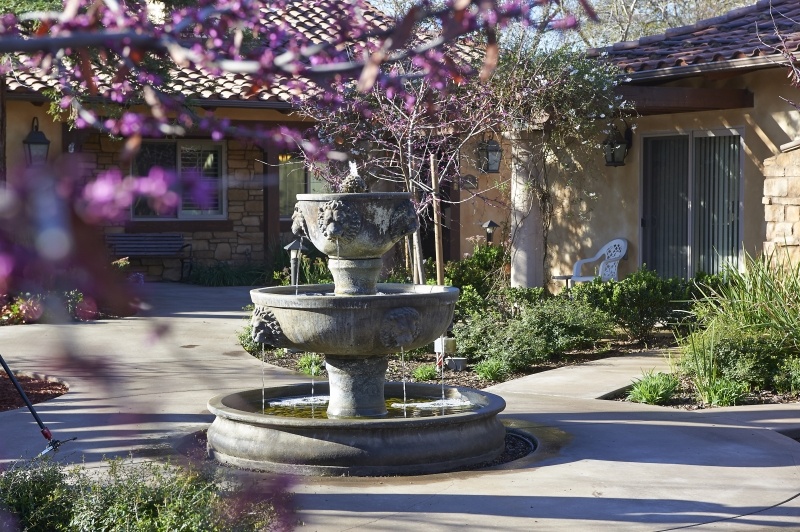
{"type": "Point", "coordinates": [241, 104]}
{"type": "Point", "coordinates": [748, 63]}
{"type": "Point", "coordinates": [36, 97]}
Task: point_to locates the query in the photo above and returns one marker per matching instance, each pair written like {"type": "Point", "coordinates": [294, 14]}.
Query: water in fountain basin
{"type": "Point", "coordinates": [263, 385]}
{"type": "Point", "coordinates": [314, 407]}
{"type": "Point", "coordinates": [403, 364]}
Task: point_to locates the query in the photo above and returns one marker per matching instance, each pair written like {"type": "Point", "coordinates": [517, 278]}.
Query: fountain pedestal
{"type": "Point", "coordinates": [356, 386]}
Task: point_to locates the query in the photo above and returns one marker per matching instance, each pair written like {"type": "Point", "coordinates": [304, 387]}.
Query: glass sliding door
{"type": "Point", "coordinates": [665, 225]}
{"type": "Point", "coordinates": [717, 198]}
{"type": "Point", "coordinates": [691, 203]}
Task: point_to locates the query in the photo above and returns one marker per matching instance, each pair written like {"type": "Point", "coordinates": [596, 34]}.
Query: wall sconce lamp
{"type": "Point", "coordinates": [489, 226]}
{"type": "Point", "coordinates": [284, 157]}
{"type": "Point", "coordinates": [616, 146]}
{"type": "Point", "coordinates": [489, 155]}
{"type": "Point", "coordinates": [295, 249]}
{"type": "Point", "coordinates": [36, 145]}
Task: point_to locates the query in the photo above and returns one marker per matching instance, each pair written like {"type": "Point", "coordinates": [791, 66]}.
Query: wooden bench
{"type": "Point", "coordinates": [151, 245]}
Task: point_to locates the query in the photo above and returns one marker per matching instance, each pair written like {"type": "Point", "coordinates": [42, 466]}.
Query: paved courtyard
{"type": "Point", "coordinates": [140, 385]}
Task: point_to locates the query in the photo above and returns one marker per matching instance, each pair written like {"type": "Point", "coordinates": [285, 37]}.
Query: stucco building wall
{"type": "Point", "coordinates": [611, 205]}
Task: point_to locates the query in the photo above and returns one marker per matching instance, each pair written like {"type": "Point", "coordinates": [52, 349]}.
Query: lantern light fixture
{"type": "Point", "coordinates": [36, 145]}
{"type": "Point", "coordinates": [617, 145]}
{"type": "Point", "coordinates": [489, 155]}
{"type": "Point", "coordinates": [284, 157]}
{"type": "Point", "coordinates": [489, 227]}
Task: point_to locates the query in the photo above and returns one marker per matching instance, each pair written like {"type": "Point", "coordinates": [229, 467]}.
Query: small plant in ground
{"type": "Point", "coordinates": [245, 334]}
{"type": "Point", "coordinates": [492, 369]}
{"type": "Point", "coordinates": [723, 392]}
{"type": "Point", "coordinates": [788, 378]}
{"type": "Point", "coordinates": [426, 372]}
{"type": "Point", "coordinates": [654, 388]}
{"type": "Point", "coordinates": [311, 364]}
{"type": "Point", "coordinates": [22, 308]}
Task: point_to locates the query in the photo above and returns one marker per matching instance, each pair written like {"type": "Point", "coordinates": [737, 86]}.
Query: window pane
{"type": "Point", "coordinates": [160, 154]}
{"type": "Point", "coordinates": [292, 181]}
{"type": "Point", "coordinates": [201, 173]}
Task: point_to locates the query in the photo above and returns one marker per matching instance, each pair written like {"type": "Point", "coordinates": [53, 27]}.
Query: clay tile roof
{"type": "Point", "coordinates": [312, 19]}
{"type": "Point", "coordinates": [753, 33]}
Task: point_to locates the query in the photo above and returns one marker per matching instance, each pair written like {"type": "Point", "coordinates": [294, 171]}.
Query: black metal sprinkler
{"type": "Point", "coordinates": [52, 445]}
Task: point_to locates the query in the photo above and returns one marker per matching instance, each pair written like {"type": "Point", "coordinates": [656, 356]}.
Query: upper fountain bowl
{"type": "Point", "coordinates": [354, 226]}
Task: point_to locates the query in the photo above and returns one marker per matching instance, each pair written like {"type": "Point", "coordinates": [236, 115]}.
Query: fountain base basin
{"type": "Point", "coordinates": [244, 437]}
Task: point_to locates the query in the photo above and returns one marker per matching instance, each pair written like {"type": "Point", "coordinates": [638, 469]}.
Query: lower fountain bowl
{"type": "Point", "coordinates": [243, 437]}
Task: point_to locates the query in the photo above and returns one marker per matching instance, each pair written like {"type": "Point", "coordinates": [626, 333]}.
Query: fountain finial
{"type": "Point", "coordinates": [353, 183]}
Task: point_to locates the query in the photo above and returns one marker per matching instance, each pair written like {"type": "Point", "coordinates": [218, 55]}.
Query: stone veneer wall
{"type": "Point", "coordinates": [782, 203]}
{"type": "Point", "coordinates": [241, 241]}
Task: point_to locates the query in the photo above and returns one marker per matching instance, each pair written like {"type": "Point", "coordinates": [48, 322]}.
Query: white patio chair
{"type": "Point", "coordinates": [611, 254]}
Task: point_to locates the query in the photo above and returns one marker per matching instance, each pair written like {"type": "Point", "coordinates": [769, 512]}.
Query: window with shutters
{"type": "Point", "coordinates": [201, 184]}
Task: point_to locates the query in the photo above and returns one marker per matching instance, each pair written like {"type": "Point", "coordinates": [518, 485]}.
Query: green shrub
{"type": "Point", "coordinates": [637, 303]}
{"type": "Point", "coordinates": [787, 380]}
{"type": "Point", "coordinates": [427, 372]}
{"type": "Point", "coordinates": [225, 274]}
{"type": "Point", "coordinates": [512, 300]}
{"type": "Point", "coordinates": [311, 364]}
{"type": "Point", "coordinates": [654, 388]}
{"type": "Point", "coordinates": [44, 495]}
{"type": "Point", "coordinates": [761, 297]}
{"type": "Point", "coordinates": [492, 369]}
{"type": "Point", "coordinates": [469, 302]}
{"type": "Point", "coordinates": [544, 332]}
{"type": "Point", "coordinates": [39, 494]}
{"type": "Point", "coordinates": [538, 333]}
{"type": "Point", "coordinates": [475, 335]}
{"type": "Point", "coordinates": [483, 270]}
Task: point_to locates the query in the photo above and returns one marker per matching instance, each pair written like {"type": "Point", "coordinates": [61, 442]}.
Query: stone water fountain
{"type": "Point", "coordinates": [357, 323]}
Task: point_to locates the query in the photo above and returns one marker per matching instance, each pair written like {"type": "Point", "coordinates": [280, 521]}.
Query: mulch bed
{"type": "Point", "coordinates": [37, 390]}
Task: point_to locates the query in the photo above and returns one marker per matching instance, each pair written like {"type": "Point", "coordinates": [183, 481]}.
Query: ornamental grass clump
{"type": "Point", "coordinates": [711, 386]}
{"type": "Point", "coordinates": [747, 329]}
{"type": "Point", "coordinates": [654, 388]}
{"type": "Point", "coordinates": [762, 296]}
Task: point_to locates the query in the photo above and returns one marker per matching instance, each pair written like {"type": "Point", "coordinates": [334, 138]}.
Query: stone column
{"type": "Point", "coordinates": [527, 235]}
{"type": "Point", "coordinates": [782, 204]}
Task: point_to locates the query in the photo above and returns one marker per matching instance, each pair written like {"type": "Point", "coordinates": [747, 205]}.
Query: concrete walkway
{"type": "Point", "coordinates": [141, 385]}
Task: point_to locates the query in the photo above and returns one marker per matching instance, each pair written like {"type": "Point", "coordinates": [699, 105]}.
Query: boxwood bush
{"type": "Point", "coordinates": [639, 302]}
{"type": "Point", "coordinates": [537, 333]}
